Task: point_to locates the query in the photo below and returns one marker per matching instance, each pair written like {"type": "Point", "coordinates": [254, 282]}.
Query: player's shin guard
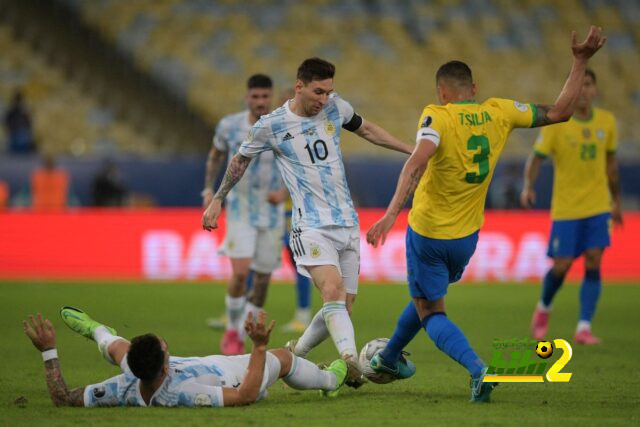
{"type": "Point", "coordinates": [315, 333]}
{"type": "Point", "coordinates": [589, 294]}
{"type": "Point", "coordinates": [340, 327]}
{"type": "Point", "coordinates": [550, 286]}
{"type": "Point", "coordinates": [450, 339]}
{"type": "Point", "coordinates": [305, 375]}
{"type": "Point", "coordinates": [235, 312]}
{"type": "Point", "coordinates": [407, 327]}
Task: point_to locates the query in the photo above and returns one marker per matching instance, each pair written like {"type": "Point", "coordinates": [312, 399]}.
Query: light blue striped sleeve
{"type": "Point", "coordinates": [257, 141]}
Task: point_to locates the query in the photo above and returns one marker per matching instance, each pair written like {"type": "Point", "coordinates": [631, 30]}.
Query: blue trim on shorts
{"type": "Point", "coordinates": [432, 264]}
{"type": "Point", "coordinates": [570, 238]}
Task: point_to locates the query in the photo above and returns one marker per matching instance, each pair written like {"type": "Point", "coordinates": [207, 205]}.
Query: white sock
{"type": "Point", "coordinates": [583, 325]}
{"type": "Point", "coordinates": [249, 307]}
{"type": "Point", "coordinates": [305, 375]}
{"type": "Point", "coordinates": [303, 315]}
{"type": "Point", "coordinates": [315, 333]}
{"type": "Point", "coordinates": [104, 338]}
{"type": "Point", "coordinates": [544, 308]}
{"type": "Point", "coordinates": [235, 312]}
{"type": "Point", "coordinates": [340, 327]}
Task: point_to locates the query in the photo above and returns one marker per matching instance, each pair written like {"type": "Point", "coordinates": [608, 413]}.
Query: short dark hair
{"type": "Point", "coordinates": [146, 357]}
{"type": "Point", "coordinates": [315, 69]}
{"type": "Point", "coordinates": [455, 70]}
{"type": "Point", "coordinates": [589, 72]}
{"type": "Point", "coordinates": [259, 81]}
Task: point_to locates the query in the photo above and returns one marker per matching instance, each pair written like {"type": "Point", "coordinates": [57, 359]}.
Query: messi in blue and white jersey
{"type": "Point", "coordinates": [304, 136]}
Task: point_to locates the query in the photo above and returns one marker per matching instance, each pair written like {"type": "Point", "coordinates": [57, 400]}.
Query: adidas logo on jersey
{"type": "Point", "coordinates": [287, 137]}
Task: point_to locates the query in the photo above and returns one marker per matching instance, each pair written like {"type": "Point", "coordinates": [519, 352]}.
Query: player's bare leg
{"type": "Point", "coordinates": [589, 295]}
{"type": "Point", "coordinates": [551, 284]}
{"type": "Point", "coordinates": [235, 300]}
{"type": "Point", "coordinates": [336, 318]}
{"type": "Point", "coordinates": [258, 294]}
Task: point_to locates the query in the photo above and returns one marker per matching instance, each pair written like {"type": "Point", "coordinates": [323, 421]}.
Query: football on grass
{"type": "Point", "coordinates": [369, 350]}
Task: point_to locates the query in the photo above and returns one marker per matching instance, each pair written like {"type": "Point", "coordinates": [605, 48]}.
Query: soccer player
{"type": "Point", "coordinates": [304, 135]}
{"type": "Point", "coordinates": [461, 141]}
{"type": "Point", "coordinates": [586, 181]}
{"type": "Point", "coordinates": [151, 377]}
{"type": "Point", "coordinates": [255, 222]}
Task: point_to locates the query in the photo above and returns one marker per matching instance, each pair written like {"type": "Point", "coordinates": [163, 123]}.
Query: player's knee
{"type": "Point", "coordinates": [333, 291]}
{"type": "Point", "coordinates": [561, 266]}
{"type": "Point", "coordinates": [286, 359]}
{"type": "Point", "coordinates": [592, 260]}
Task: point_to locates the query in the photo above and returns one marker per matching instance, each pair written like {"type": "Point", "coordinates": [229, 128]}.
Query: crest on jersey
{"type": "Point", "coordinates": [521, 107]}
{"type": "Point", "coordinates": [315, 250]}
{"type": "Point", "coordinates": [426, 122]}
{"type": "Point", "coordinates": [586, 133]}
{"type": "Point", "coordinates": [600, 134]}
{"type": "Point", "coordinates": [202, 399]}
{"type": "Point", "coordinates": [330, 128]}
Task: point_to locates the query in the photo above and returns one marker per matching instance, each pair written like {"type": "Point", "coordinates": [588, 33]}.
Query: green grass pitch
{"type": "Point", "coordinates": [604, 388]}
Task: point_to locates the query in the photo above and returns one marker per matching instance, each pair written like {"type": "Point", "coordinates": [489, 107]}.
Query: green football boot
{"type": "Point", "coordinates": [339, 368]}
{"type": "Point", "coordinates": [481, 391]}
{"type": "Point", "coordinates": [402, 369]}
{"type": "Point", "coordinates": [80, 322]}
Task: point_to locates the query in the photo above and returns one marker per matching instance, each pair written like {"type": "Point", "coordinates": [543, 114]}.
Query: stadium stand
{"type": "Point", "coordinates": [66, 119]}
{"type": "Point", "coordinates": [386, 52]}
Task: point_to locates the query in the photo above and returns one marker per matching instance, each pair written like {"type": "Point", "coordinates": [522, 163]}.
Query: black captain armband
{"type": "Point", "coordinates": [354, 124]}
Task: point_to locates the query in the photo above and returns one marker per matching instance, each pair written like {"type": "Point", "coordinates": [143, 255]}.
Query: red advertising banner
{"type": "Point", "coordinates": [169, 244]}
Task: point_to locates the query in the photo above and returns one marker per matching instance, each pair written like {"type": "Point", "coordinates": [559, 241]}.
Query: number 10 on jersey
{"type": "Point", "coordinates": [319, 149]}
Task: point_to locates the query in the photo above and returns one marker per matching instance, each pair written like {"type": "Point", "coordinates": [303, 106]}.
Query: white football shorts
{"type": "Point", "coordinates": [262, 244]}
{"type": "Point", "coordinates": [338, 246]}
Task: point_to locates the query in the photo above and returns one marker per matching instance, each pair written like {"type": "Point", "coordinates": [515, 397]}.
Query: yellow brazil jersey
{"type": "Point", "coordinates": [449, 200]}
{"type": "Point", "coordinates": [579, 151]}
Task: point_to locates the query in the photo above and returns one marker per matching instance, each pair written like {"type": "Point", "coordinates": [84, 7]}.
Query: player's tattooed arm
{"type": "Point", "coordinates": [542, 116]}
{"type": "Point", "coordinates": [60, 393]}
{"type": "Point", "coordinates": [410, 176]}
{"type": "Point", "coordinates": [235, 170]}
{"type": "Point", "coordinates": [43, 337]}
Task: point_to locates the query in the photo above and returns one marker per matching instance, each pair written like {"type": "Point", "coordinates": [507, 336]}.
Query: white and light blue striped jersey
{"type": "Point", "coordinates": [307, 150]}
{"type": "Point", "coordinates": [247, 200]}
{"type": "Point", "coordinates": [192, 381]}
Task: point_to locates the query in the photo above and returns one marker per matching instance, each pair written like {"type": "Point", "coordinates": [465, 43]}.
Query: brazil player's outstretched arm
{"type": "Point", "coordinates": [378, 136]}
{"type": "Point", "coordinates": [235, 170]}
{"type": "Point", "coordinates": [410, 176]}
{"type": "Point", "coordinates": [43, 337]}
{"type": "Point", "coordinates": [214, 161]}
{"type": "Point", "coordinates": [614, 188]}
{"type": "Point", "coordinates": [249, 390]}
{"type": "Point", "coordinates": [565, 104]}
{"type": "Point", "coordinates": [531, 171]}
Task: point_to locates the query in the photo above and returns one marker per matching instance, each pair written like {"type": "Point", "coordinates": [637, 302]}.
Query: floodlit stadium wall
{"type": "Point", "coordinates": [169, 244]}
